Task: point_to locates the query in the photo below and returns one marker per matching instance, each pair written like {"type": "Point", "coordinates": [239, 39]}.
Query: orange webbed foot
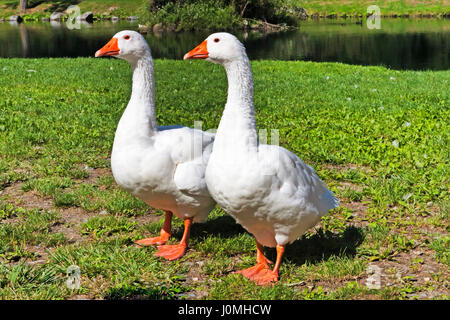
{"type": "Point", "coordinates": [252, 271]}
{"type": "Point", "coordinates": [164, 234]}
{"type": "Point", "coordinates": [171, 252]}
{"type": "Point", "coordinates": [162, 239]}
{"type": "Point", "coordinates": [265, 277]}
{"type": "Point", "coordinates": [260, 273]}
{"type": "Point", "coordinates": [149, 241]}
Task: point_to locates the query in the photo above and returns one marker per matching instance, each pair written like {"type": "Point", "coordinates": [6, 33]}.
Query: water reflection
{"type": "Point", "coordinates": [400, 44]}
{"type": "Point", "coordinates": [25, 39]}
{"type": "Point", "coordinates": [54, 39]}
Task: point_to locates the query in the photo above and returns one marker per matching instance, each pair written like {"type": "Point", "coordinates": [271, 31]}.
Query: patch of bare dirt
{"type": "Point", "coordinates": [79, 297]}
{"type": "Point", "coordinates": [417, 268]}
{"type": "Point", "coordinates": [343, 185]}
{"type": "Point", "coordinates": [196, 275]}
{"type": "Point", "coordinates": [347, 166]}
{"type": "Point", "coordinates": [28, 200]}
{"type": "Point", "coordinates": [94, 174]}
{"type": "Point", "coordinates": [147, 218]}
{"type": "Point", "coordinates": [70, 217]}
{"type": "Point", "coordinates": [359, 211]}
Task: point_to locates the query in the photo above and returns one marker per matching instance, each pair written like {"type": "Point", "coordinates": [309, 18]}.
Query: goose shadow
{"type": "Point", "coordinates": [322, 245]}
{"type": "Point", "coordinates": [137, 293]}
{"type": "Point", "coordinates": [308, 249]}
{"type": "Point", "coordinates": [223, 226]}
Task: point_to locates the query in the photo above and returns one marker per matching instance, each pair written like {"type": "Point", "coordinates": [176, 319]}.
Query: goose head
{"type": "Point", "coordinates": [128, 45]}
{"type": "Point", "coordinates": [221, 47]}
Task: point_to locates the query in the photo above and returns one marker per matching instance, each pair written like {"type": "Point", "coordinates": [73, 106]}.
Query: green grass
{"type": "Point", "coordinates": [378, 137]}
{"type": "Point", "coordinates": [99, 226]}
{"type": "Point", "coordinates": [359, 7]}
{"type": "Point", "coordinates": [38, 9]}
{"type": "Point", "coordinates": [34, 229]}
{"type": "Point", "coordinates": [225, 15]}
{"type": "Point", "coordinates": [194, 15]}
{"type": "Point", "coordinates": [442, 248]}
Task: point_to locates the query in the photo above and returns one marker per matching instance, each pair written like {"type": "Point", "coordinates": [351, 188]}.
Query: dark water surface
{"type": "Point", "coordinates": [400, 43]}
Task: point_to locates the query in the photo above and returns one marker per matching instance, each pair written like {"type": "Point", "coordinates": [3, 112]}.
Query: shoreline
{"type": "Point", "coordinates": [248, 24]}
{"type": "Point", "coordinates": [135, 13]}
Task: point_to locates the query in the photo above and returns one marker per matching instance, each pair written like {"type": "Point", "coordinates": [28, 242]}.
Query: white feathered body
{"type": "Point", "coordinates": [268, 190]}
{"type": "Point", "coordinates": [162, 166]}
{"type": "Point", "coordinates": [164, 171]}
{"type": "Point", "coordinates": [271, 193]}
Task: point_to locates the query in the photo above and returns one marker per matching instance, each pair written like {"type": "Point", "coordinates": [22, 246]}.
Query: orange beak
{"type": "Point", "coordinates": [199, 52]}
{"type": "Point", "coordinates": [109, 49]}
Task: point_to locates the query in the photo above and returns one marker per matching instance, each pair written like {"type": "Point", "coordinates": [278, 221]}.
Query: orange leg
{"type": "Point", "coordinates": [261, 264]}
{"type": "Point", "coordinates": [261, 273]}
{"type": "Point", "coordinates": [165, 233]}
{"type": "Point", "coordinates": [270, 276]}
{"type": "Point", "coordinates": [172, 252]}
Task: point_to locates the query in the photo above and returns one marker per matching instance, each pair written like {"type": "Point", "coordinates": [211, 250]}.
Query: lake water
{"type": "Point", "coordinates": [399, 44]}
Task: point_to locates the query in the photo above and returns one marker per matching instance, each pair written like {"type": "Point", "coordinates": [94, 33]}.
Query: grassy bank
{"type": "Point", "coordinates": [378, 137]}
{"type": "Point", "coordinates": [101, 8]}
{"type": "Point", "coordinates": [387, 7]}
{"type": "Point", "coordinates": [176, 15]}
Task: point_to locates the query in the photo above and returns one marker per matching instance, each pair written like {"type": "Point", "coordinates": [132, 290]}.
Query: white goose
{"type": "Point", "coordinates": [268, 190]}
{"type": "Point", "coordinates": [163, 166]}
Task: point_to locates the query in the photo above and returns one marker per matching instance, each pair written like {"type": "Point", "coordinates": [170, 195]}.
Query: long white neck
{"type": "Point", "coordinates": [139, 118]}
{"type": "Point", "coordinates": [237, 128]}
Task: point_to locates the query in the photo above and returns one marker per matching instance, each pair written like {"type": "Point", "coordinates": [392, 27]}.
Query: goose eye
{"type": "Point", "coordinates": [216, 40]}
{"type": "Point", "coordinates": [126, 37]}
